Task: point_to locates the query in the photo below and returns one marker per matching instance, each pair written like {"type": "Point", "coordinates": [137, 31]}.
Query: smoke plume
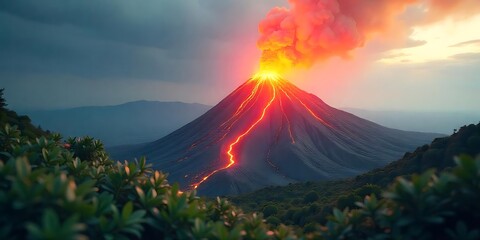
{"type": "Point", "coordinates": [313, 30]}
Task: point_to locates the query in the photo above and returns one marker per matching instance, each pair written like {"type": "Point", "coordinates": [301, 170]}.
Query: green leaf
{"type": "Point", "coordinates": [127, 211]}
{"type": "Point", "coordinates": [23, 167]}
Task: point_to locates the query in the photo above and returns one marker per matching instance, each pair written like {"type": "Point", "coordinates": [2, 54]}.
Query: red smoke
{"type": "Point", "coordinates": [312, 30]}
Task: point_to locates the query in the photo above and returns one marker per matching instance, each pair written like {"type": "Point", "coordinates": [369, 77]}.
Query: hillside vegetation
{"type": "Point", "coordinates": [22, 122]}
{"type": "Point", "coordinates": [303, 204]}
{"type": "Point", "coordinates": [48, 192]}
{"type": "Point", "coordinates": [70, 189]}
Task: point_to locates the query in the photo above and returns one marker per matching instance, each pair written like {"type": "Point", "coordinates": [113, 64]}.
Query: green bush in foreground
{"type": "Point", "coordinates": [294, 210]}
{"type": "Point", "coordinates": [427, 207]}
{"type": "Point", "coordinates": [47, 192]}
{"type": "Point", "coordinates": [51, 189]}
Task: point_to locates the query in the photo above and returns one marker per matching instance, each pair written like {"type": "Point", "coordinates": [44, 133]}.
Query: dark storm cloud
{"type": "Point", "coordinates": [160, 24]}
{"type": "Point", "coordinates": [150, 39]}
{"type": "Point", "coordinates": [61, 53]}
{"type": "Point", "coordinates": [31, 47]}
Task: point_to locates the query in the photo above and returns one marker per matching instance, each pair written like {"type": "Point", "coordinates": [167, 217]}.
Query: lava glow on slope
{"type": "Point", "coordinates": [279, 91]}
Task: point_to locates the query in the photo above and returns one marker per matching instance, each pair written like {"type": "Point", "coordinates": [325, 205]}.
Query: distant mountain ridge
{"type": "Point", "coordinates": [114, 128]}
{"type": "Point", "coordinates": [439, 122]}
{"type": "Point", "coordinates": [128, 123]}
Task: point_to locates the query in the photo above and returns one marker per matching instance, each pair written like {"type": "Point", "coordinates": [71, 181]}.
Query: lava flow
{"type": "Point", "coordinates": [277, 85]}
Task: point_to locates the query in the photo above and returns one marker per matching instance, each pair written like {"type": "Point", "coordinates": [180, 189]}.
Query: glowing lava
{"type": "Point", "coordinates": [277, 84]}
{"type": "Point", "coordinates": [259, 77]}
{"type": "Point", "coordinates": [266, 76]}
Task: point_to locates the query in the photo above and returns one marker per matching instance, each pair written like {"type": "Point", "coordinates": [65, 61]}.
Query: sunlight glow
{"type": "Point", "coordinates": [266, 75]}
{"type": "Point", "coordinates": [446, 40]}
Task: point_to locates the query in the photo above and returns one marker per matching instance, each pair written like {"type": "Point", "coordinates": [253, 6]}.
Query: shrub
{"type": "Point", "coordinates": [47, 191]}
{"type": "Point", "coordinates": [311, 196]}
{"type": "Point", "coordinates": [347, 201]}
{"type": "Point", "coordinates": [273, 220]}
{"type": "Point", "coordinates": [426, 207]}
{"type": "Point", "coordinates": [368, 189]}
{"type": "Point", "coordinates": [314, 208]}
{"type": "Point", "coordinates": [310, 228]}
{"type": "Point", "coordinates": [269, 210]}
{"type": "Point", "coordinates": [474, 142]}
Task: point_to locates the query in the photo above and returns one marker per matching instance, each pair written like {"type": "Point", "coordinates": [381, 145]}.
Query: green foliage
{"type": "Point", "coordinates": [347, 201]}
{"type": "Point", "coordinates": [23, 123]}
{"type": "Point", "coordinates": [86, 148]}
{"type": "Point", "coordinates": [269, 210]}
{"type": "Point", "coordinates": [310, 228]}
{"type": "Point", "coordinates": [474, 141]}
{"type": "Point", "coordinates": [368, 189]}
{"type": "Point", "coordinates": [428, 206]}
{"type": "Point", "coordinates": [273, 220]}
{"type": "Point", "coordinates": [50, 189]}
{"type": "Point", "coordinates": [291, 199]}
{"type": "Point", "coordinates": [310, 197]}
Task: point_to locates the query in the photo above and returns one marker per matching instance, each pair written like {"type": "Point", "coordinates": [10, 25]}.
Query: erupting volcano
{"type": "Point", "coordinates": [269, 132]}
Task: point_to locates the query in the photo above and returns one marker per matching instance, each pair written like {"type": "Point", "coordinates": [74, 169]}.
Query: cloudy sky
{"type": "Point", "coordinates": [59, 54]}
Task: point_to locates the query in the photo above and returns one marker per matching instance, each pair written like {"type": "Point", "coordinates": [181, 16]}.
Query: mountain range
{"type": "Point", "coordinates": [429, 121]}
{"type": "Point", "coordinates": [118, 124]}
{"type": "Point", "coordinates": [129, 123]}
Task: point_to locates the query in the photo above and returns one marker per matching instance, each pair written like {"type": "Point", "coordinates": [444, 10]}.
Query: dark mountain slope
{"type": "Point", "coordinates": [269, 132]}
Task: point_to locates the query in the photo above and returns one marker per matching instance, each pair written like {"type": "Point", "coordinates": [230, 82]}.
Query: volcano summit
{"type": "Point", "coordinates": [269, 132]}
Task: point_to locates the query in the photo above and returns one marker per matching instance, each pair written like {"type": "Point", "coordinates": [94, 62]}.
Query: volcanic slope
{"type": "Point", "coordinates": [269, 132]}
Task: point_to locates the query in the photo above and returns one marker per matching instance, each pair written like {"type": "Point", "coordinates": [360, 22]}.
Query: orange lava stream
{"type": "Point", "coordinates": [243, 104]}
{"type": "Point", "coordinates": [288, 121]}
{"type": "Point", "coordinates": [237, 140]}
{"type": "Point", "coordinates": [275, 82]}
{"type": "Point", "coordinates": [311, 112]}
{"type": "Point", "coordinates": [237, 112]}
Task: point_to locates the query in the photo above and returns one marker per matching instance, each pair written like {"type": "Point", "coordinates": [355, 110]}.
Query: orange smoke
{"type": "Point", "coordinates": [313, 30]}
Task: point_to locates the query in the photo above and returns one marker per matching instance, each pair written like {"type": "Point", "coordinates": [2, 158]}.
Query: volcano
{"type": "Point", "coordinates": [269, 132]}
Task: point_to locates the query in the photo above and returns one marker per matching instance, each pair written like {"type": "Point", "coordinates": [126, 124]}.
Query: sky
{"type": "Point", "coordinates": [60, 54]}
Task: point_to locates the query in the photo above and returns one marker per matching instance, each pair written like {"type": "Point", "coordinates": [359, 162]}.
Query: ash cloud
{"type": "Point", "coordinates": [313, 30]}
